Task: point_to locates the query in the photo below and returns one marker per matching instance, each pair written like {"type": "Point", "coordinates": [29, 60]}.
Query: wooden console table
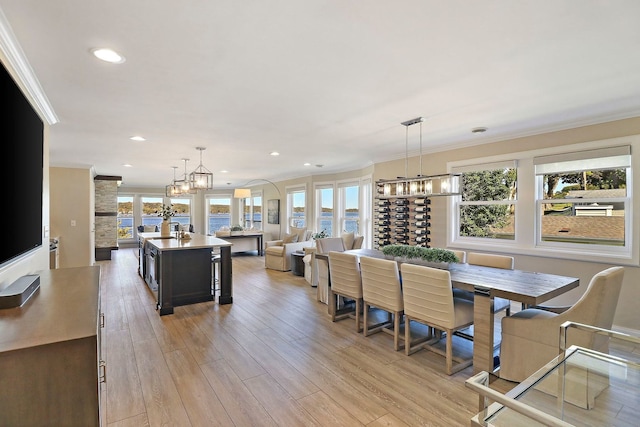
{"type": "Point", "coordinates": [50, 352]}
{"type": "Point", "coordinates": [257, 236]}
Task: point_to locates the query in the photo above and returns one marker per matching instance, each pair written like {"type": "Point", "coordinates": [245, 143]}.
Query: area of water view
{"type": "Point", "coordinates": [216, 221]}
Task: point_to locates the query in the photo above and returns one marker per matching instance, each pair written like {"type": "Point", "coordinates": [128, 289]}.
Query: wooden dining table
{"type": "Point", "coordinates": [487, 283]}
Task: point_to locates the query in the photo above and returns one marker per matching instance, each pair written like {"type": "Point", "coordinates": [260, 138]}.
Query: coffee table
{"type": "Point", "coordinates": [297, 264]}
{"type": "Point", "coordinates": [580, 387]}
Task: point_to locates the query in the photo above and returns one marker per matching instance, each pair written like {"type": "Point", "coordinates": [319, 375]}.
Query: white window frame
{"type": "Point", "coordinates": [134, 227]}
{"type": "Point", "coordinates": [317, 191]}
{"type": "Point", "coordinates": [526, 242]}
{"type": "Point", "coordinates": [572, 161]}
{"type": "Point", "coordinates": [254, 196]}
{"type": "Point", "coordinates": [458, 199]}
{"type": "Point", "coordinates": [207, 204]}
{"type": "Point", "coordinates": [290, 191]}
{"type": "Point", "coordinates": [188, 200]}
{"type": "Point", "coordinates": [341, 211]}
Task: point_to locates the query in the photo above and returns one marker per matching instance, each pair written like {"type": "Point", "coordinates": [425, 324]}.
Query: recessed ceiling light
{"type": "Point", "coordinates": [479, 130]}
{"type": "Point", "coordinates": [319, 166]}
{"type": "Point", "coordinates": [127, 165]}
{"type": "Point", "coordinates": [137, 138]}
{"type": "Point", "coordinates": [224, 171]}
{"type": "Point", "coordinates": [307, 164]}
{"type": "Point", "coordinates": [274, 153]}
{"type": "Point", "coordinates": [108, 55]}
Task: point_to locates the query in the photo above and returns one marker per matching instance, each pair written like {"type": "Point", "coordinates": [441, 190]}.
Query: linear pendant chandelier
{"type": "Point", "coordinates": [420, 185]}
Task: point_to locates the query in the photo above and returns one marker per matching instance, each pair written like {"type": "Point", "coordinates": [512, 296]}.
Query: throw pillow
{"type": "Point", "coordinates": [290, 238]}
{"type": "Point", "coordinates": [300, 232]}
{"type": "Point", "coordinates": [347, 239]}
{"type": "Point", "coordinates": [149, 228]}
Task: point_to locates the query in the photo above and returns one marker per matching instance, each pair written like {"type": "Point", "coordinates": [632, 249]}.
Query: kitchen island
{"type": "Point", "coordinates": [179, 271]}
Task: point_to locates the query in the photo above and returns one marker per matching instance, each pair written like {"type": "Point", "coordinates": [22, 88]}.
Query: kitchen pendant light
{"type": "Point", "coordinates": [173, 189]}
{"type": "Point", "coordinates": [201, 178]}
{"type": "Point", "coordinates": [184, 184]}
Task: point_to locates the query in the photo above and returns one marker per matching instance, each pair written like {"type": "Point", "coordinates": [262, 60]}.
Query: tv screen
{"type": "Point", "coordinates": [21, 132]}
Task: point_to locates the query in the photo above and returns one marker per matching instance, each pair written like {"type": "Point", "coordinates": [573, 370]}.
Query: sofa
{"type": "Point", "coordinates": [277, 253]}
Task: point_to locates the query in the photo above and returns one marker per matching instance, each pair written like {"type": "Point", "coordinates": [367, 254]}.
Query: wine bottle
{"type": "Point", "coordinates": [422, 224]}
{"type": "Point", "coordinates": [421, 216]}
{"type": "Point", "coordinates": [402, 216]}
{"type": "Point", "coordinates": [422, 202]}
{"type": "Point", "coordinates": [422, 232]}
{"type": "Point", "coordinates": [422, 209]}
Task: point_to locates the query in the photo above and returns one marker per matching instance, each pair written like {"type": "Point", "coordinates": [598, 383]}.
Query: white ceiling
{"type": "Point", "coordinates": [321, 81]}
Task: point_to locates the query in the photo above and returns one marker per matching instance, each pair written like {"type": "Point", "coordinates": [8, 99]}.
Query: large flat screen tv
{"type": "Point", "coordinates": [21, 132]}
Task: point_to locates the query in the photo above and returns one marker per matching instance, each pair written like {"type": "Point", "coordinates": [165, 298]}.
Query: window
{"type": "Point", "coordinates": [349, 207]}
{"type": "Point", "coordinates": [324, 209]}
{"type": "Point", "coordinates": [487, 207]}
{"type": "Point", "coordinates": [582, 198]}
{"type": "Point", "coordinates": [150, 208]}
{"type": "Point", "coordinates": [219, 213]}
{"type": "Point", "coordinates": [182, 209]}
{"type": "Point", "coordinates": [297, 207]}
{"type": "Point", "coordinates": [256, 212]}
{"type": "Point", "coordinates": [125, 217]}
{"type": "Point", "coordinates": [573, 205]}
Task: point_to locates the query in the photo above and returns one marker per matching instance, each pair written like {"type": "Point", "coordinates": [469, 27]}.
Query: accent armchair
{"type": "Point", "coordinates": [530, 337]}
{"type": "Point", "coordinates": [277, 255]}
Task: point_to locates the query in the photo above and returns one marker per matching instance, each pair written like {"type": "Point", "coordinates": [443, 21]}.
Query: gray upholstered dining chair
{"type": "Point", "coordinates": [345, 282]}
{"type": "Point", "coordinates": [488, 260]}
{"type": "Point", "coordinates": [428, 299]}
{"type": "Point", "coordinates": [530, 337]}
{"type": "Point", "coordinates": [381, 289]}
{"type": "Point", "coordinates": [324, 246]}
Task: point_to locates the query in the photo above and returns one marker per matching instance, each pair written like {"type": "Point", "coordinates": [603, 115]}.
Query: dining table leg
{"type": "Point", "coordinates": [483, 331]}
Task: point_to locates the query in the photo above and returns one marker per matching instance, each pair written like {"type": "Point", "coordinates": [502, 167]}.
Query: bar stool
{"type": "Point", "coordinates": [215, 269]}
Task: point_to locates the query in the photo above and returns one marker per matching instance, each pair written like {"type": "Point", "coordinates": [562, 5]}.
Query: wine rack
{"type": "Point", "coordinates": [401, 220]}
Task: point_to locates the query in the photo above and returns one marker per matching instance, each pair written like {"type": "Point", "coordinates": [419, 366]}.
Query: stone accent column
{"type": "Point", "coordinates": [106, 212]}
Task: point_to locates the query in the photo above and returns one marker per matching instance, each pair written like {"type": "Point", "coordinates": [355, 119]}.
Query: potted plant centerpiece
{"type": "Point", "coordinates": [166, 213]}
{"type": "Point", "coordinates": [320, 235]}
{"type": "Point", "coordinates": [236, 230]}
{"type": "Point", "coordinates": [431, 257]}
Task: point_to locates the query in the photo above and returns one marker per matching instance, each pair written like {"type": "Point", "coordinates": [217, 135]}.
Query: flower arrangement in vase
{"type": "Point", "coordinates": [166, 212]}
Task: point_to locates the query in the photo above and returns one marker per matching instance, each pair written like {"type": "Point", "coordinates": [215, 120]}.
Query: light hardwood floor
{"type": "Point", "coordinates": [273, 357]}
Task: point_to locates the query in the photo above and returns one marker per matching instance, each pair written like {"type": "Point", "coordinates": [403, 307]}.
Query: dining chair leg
{"type": "Point", "coordinates": [333, 302]}
{"type": "Point", "coordinates": [365, 320]}
{"type": "Point", "coordinates": [407, 335]}
{"type": "Point", "coordinates": [449, 352]}
{"type": "Point", "coordinates": [396, 330]}
{"type": "Point", "coordinates": [358, 309]}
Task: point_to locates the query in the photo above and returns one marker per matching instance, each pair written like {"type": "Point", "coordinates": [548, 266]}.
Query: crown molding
{"type": "Point", "coordinates": [23, 72]}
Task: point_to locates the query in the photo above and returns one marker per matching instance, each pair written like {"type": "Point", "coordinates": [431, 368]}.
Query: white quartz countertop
{"type": "Point", "coordinates": [197, 241]}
